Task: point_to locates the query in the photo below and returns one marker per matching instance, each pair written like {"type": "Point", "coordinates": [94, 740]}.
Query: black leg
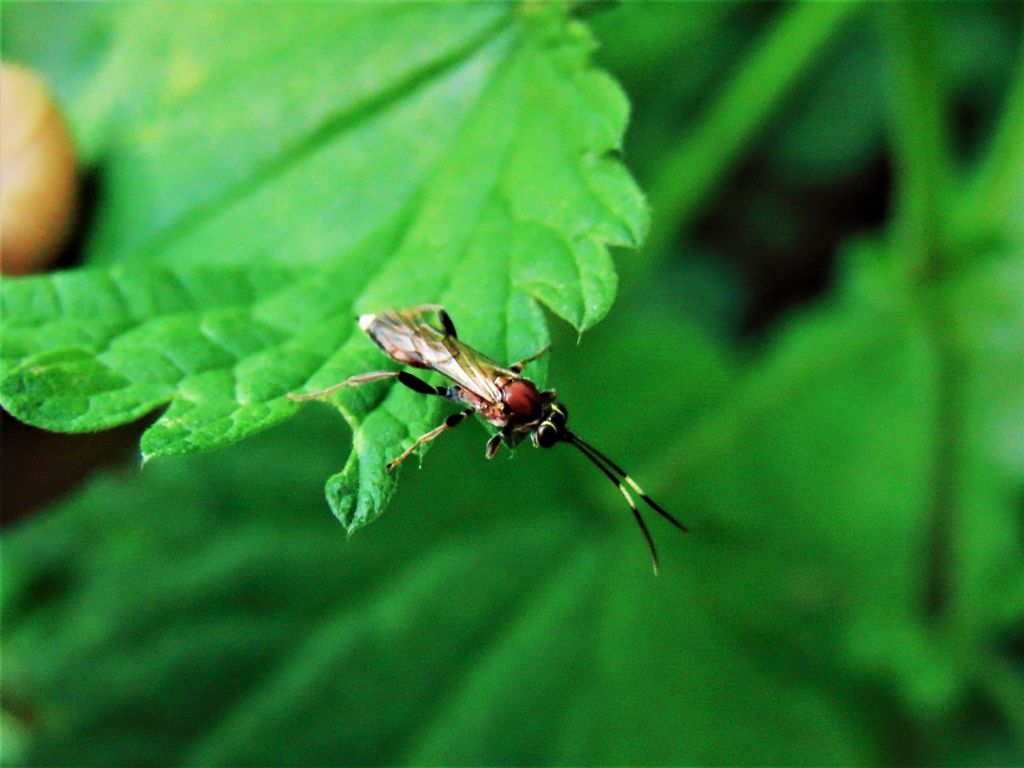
{"type": "Point", "coordinates": [416, 384]}
{"type": "Point", "coordinates": [493, 445]}
{"type": "Point", "coordinates": [446, 321]}
{"type": "Point", "coordinates": [452, 421]}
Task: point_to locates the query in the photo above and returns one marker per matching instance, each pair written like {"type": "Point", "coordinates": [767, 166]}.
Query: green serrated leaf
{"type": "Point", "coordinates": [476, 169]}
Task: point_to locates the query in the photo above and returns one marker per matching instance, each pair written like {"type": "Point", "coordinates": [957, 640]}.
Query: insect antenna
{"type": "Point", "coordinates": [631, 483]}
{"type": "Point", "coordinates": [595, 459]}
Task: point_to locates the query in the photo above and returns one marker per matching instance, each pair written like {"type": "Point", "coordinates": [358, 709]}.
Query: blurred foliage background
{"type": "Point", "coordinates": [815, 362]}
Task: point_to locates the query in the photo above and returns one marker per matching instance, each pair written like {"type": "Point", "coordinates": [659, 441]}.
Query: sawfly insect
{"type": "Point", "coordinates": [500, 394]}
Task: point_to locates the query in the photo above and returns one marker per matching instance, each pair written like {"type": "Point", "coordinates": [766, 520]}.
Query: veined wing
{"type": "Point", "coordinates": [407, 335]}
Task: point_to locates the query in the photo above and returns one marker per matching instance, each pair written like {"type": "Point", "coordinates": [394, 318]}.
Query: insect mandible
{"type": "Point", "coordinates": [500, 394]}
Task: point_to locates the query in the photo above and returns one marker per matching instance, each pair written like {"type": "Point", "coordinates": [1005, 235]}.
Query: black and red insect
{"type": "Point", "coordinates": [500, 394]}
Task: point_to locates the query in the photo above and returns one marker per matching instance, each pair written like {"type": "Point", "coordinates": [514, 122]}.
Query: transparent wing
{"type": "Point", "coordinates": [409, 337]}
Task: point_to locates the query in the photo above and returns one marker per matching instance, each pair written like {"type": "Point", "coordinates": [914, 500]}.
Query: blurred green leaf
{"type": "Point", "coordinates": [994, 194]}
{"type": "Point", "coordinates": [790, 623]}
{"type": "Point", "coordinates": [852, 591]}
{"type": "Point", "coordinates": [243, 632]}
{"type": "Point", "coordinates": [871, 454]}
{"type": "Point", "coordinates": [692, 171]}
{"type": "Point", "coordinates": [475, 169]}
{"type": "Point", "coordinates": [834, 125]}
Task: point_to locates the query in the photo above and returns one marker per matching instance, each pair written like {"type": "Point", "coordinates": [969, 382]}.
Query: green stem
{"type": "Point", "coordinates": [924, 190]}
{"type": "Point", "coordinates": [691, 173]}
{"type": "Point", "coordinates": [924, 174]}
{"type": "Point", "coordinates": [940, 558]}
{"type": "Point", "coordinates": [921, 144]}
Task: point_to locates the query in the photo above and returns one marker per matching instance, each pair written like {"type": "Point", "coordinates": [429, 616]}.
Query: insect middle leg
{"type": "Point", "coordinates": [442, 316]}
{"type": "Point", "coordinates": [414, 383]}
{"type": "Point", "coordinates": [452, 421]}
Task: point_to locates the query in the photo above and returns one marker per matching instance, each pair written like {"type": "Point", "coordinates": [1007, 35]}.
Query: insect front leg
{"type": "Point", "coordinates": [518, 366]}
{"type": "Point", "coordinates": [404, 377]}
{"type": "Point", "coordinates": [493, 445]}
{"type": "Point", "coordinates": [452, 421]}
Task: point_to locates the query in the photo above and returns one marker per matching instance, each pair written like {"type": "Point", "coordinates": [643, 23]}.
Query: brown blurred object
{"type": "Point", "coordinates": [37, 173]}
{"type": "Point", "coordinates": [40, 467]}
{"type": "Point", "coordinates": [38, 201]}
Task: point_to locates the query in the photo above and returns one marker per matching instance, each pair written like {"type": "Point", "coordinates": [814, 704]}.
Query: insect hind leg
{"type": "Point", "coordinates": [414, 383]}
{"type": "Point", "coordinates": [352, 381]}
{"type": "Point", "coordinates": [452, 421]}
